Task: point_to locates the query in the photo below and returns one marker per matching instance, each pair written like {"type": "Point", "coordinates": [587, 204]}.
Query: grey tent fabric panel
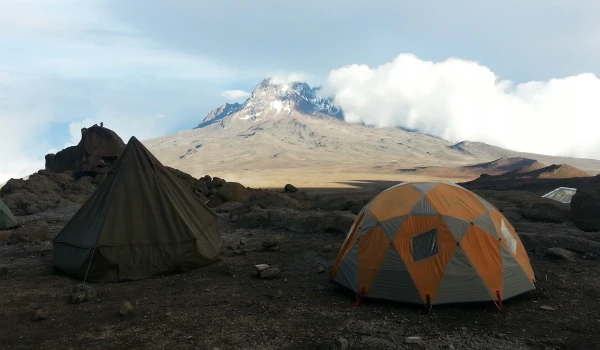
{"type": "Point", "coordinates": [486, 222]}
{"type": "Point", "coordinates": [461, 282]}
{"type": "Point", "coordinates": [423, 208]}
{"type": "Point", "coordinates": [391, 227]}
{"type": "Point", "coordinates": [393, 281]}
{"type": "Point", "coordinates": [424, 187]}
{"type": "Point", "coordinates": [515, 279]}
{"type": "Point", "coordinates": [487, 205]}
{"type": "Point", "coordinates": [367, 224]}
{"type": "Point", "coordinates": [458, 227]}
{"type": "Point", "coordinates": [347, 274]}
{"type": "Point", "coordinates": [425, 245]}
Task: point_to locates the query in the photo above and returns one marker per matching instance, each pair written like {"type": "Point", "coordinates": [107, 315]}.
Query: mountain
{"type": "Point", "coordinates": [483, 150]}
{"type": "Point", "coordinates": [268, 99]}
{"type": "Point", "coordinates": [505, 165]}
{"type": "Point", "coordinates": [289, 133]}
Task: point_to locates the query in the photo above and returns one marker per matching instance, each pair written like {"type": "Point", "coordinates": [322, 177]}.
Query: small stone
{"type": "Point", "coordinates": [560, 254]}
{"type": "Point", "coordinates": [271, 243]}
{"type": "Point", "coordinates": [3, 270]}
{"type": "Point", "coordinates": [321, 269]}
{"type": "Point", "coordinates": [340, 344]}
{"type": "Point", "coordinates": [319, 288]}
{"type": "Point", "coordinates": [328, 248]}
{"type": "Point", "coordinates": [126, 308]}
{"type": "Point", "coordinates": [276, 294]}
{"type": "Point", "coordinates": [547, 308]}
{"type": "Point", "coordinates": [261, 267]}
{"type": "Point", "coordinates": [269, 273]}
{"type": "Point", "coordinates": [82, 292]}
{"type": "Point", "coordinates": [463, 329]}
{"type": "Point", "coordinates": [40, 314]}
{"type": "Point", "coordinates": [413, 340]}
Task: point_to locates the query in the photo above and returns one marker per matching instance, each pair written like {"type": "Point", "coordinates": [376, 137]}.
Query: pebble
{"type": "Point", "coordinates": [3, 270]}
{"type": "Point", "coordinates": [126, 308]}
{"type": "Point", "coordinates": [40, 314]}
{"type": "Point", "coordinates": [413, 340]}
{"type": "Point", "coordinates": [340, 344]}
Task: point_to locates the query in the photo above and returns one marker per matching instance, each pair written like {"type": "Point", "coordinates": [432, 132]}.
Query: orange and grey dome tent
{"type": "Point", "coordinates": [431, 244]}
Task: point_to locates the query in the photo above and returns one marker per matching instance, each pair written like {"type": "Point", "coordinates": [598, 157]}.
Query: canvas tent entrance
{"type": "Point", "coordinates": [433, 243]}
{"type": "Point", "coordinates": [140, 222]}
{"type": "Point", "coordinates": [7, 219]}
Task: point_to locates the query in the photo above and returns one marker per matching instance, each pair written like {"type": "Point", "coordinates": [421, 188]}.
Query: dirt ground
{"type": "Point", "coordinates": [222, 306]}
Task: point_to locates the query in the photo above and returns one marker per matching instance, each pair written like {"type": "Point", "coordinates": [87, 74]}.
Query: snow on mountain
{"type": "Point", "coordinates": [269, 99]}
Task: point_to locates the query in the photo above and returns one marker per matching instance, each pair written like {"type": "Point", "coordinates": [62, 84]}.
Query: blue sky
{"type": "Point", "coordinates": [155, 67]}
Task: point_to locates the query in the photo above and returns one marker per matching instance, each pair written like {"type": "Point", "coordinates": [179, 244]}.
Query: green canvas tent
{"type": "Point", "coordinates": [7, 219]}
{"type": "Point", "coordinates": [140, 222]}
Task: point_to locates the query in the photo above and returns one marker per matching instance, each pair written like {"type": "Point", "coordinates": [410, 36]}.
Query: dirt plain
{"type": "Point", "coordinates": [223, 306]}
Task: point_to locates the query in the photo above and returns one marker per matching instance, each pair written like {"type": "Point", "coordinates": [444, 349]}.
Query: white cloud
{"type": "Point", "coordinates": [463, 100]}
{"type": "Point", "coordinates": [287, 78]}
{"type": "Point", "coordinates": [235, 94]}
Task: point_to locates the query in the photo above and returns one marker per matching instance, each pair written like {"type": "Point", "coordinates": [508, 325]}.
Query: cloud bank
{"type": "Point", "coordinates": [462, 100]}
{"type": "Point", "coordinates": [235, 94]}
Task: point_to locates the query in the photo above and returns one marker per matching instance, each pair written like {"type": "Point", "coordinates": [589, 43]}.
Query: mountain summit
{"type": "Point", "coordinates": [269, 99]}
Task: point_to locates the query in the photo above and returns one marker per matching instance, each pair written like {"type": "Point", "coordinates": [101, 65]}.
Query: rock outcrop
{"type": "Point", "coordinates": [585, 206]}
{"type": "Point", "coordinates": [98, 149]}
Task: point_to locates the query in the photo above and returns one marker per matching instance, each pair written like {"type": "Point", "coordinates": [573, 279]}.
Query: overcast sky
{"type": "Point", "coordinates": [155, 67]}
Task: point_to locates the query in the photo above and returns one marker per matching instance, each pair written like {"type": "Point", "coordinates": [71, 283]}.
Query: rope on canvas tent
{"type": "Point", "coordinates": [89, 264]}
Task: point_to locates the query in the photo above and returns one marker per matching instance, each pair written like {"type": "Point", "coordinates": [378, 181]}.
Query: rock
{"type": "Point", "coordinates": [98, 149]}
{"type": "Point", "coordinates": [82, 292]}
{"type": "Point", "coordinates": [290, 188]}
{"type": "Point", "coordinates": [5, 236]}
{"type": "Point", "coordinates": [329, 248]}
{"type": "Point", "coordinates": [276, 294]}
{"type": "Point", "coordinates": [126, 308]}
{"type": "Point", "coordinates": [590, 256]}
{"type": "Point", "coordinates": [340, 344]}
{"type": "Point", "coordinates": [233, 192]}
{"type": "Point", "coordinates": [271, 243]}
{"type": "Point", "coordinates": [40, 314]}
{"type": "Point", "coordinates": [32, 232]}
{"type": "Point", "coordinates": [274, 200]}
{"type": "Point", "coordinates": [269, 273]}
{"type": "Point", "coordinates": [260, 268]}
{"type": "Point", "coordinates": [228, 207]}
{"type": "Point", "coordinates": [547, 211]}
{"type": "Point", "coordinates": [585, 205]}
{"type": "Point", "coordinates": [3, 270]}
{"type": "Point", "coordinates": [561, 254]}
{"type": "Point", "coordinates": [547, 308]}
{"type": "Point", "coordinates": [319, 288]}
{"type": "Point", "coordinates": [321, 269]}
{"type": "Point", "coordinates": [32, 210]}
{"type": "Point", "coordinates": [413, 340]}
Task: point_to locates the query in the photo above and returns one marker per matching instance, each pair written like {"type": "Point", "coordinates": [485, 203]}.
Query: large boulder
{"type": "Point", "coordinates": [45, 190]}
{"type": "Point", "coordinates": [98, 149]}
{"type": "Point", "coordinates": [233, 192]}
{"type": "Point", "coordinates": [274, 200]}
{"type": "Point", "coordinates": [585, 206]}
{"type": "Point", "coordinates": [29, 233]}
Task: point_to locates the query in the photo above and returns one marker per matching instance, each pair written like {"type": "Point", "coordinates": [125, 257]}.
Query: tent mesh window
{"type": "Point", "coordinates": [425, 245]}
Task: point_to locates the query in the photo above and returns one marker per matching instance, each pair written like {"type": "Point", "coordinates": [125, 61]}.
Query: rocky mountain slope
{"type": "Point", "coordinates": [282, 128]}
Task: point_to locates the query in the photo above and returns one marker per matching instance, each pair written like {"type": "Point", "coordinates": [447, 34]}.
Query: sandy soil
{"type": "Point", "coordinates": [222, 306]}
